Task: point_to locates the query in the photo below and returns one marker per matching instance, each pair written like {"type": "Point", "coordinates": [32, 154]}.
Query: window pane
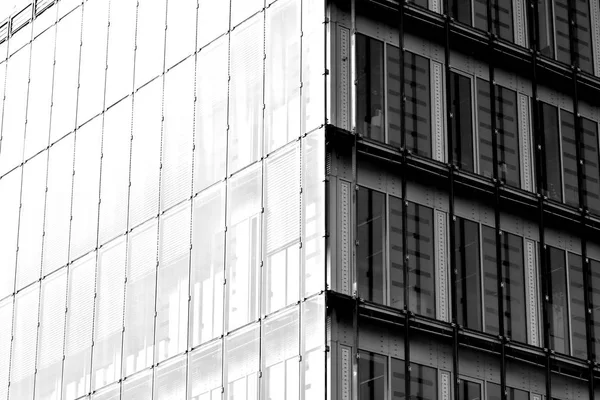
{"type": "Point", "coordinates": [461, 123]}
{"type": "Point", "coordinates": [460, 10]}
{"type": "Point", "coordinates": [398, 378]}
{"type": "Point", "coordinates": [484, 117]}
{"type": "Point", "coordinates": [9, 215]}
{"type": "Point", "coordinates": [112, 392]}
{"type": "Point", "coordinates": [170, 382]}
{"type": "Point", "coordinates": [282, 74]}
{"type": "Point", "coordinates": [423, 382]}
{"type": "Point", "coordinates": [396, 253]}
{"type": "Point", "coordinates": [421, 276]}
{"type": "Point", "coordinates": [490, 280]}
{"type": "Point", "coordinates": [181, 32]}
{"type": "Point", "coordinates": [110, 289]}
{"type": "Point", "coordinates": [139, 299]}
{"type": "Point", "coordinates": [503, 18]}
{"type": "Point", "coordinates": [372, 371]}
{"type": "Point", "coordinates": [468, 390]}
{"type": "Point", "coordinates": [208, 255]}
{"type": "Point", "coordinates": [552, 157]}
{"type": "Point", "coordinates": [205, 372]}
{"type": "Point", "coordinates": [150, 51]}
{"type": "Point", "coordinates": [577, 305]}
{"type": "Point", "coordinates": [6, 318]}
{"type": "Point", "coordinates": [494, 391]}
{"type": "Point", "coordinates": [213, 20]}
{"type": "Point", "coordinates": [313, 65]}
{"type": "Point", "coordinates": [508, 136]}
{"type": "Point", "coordinates": [242, 360]}
{"type": "Point", "coordinates": [557, 305]}
{"type": "Point", "coordinates": [242, 9]}
{"type": "Point", "coordinates": [243, 246]}
{"type": "Point", "coordinates": [590, 166]}
{"type": "Point", "coordinates": [393, 95]}
{"type": "Point", "coordinates": [481, 14]}
{"type": "Point", "coordinates": [515, 322]}
{"type": "Point", "coordinates": [371, 241]}
{"type": "Point", "coordinates": [583, 34]}
{"type": "Point", "coordinates": [313, 358]}
{"type": "Point", "coordinates": [545, 28]}
{"type": "Point", "coordinates": [245, 93]}
{"type": "Point", "coordinates": [569, 153]}
{"type": "Point", "coordinates": [468, 276]}
{"type": "Point", "coordinates": [594, 298]}
{"type": "Point", "coordinates": [369, 89]}
{"type": "Point", "coordinates": [418, 104]}
{"type": "Point", "coordinates": [138, 387]}
{"type": "Point", "coordinates": [561, 25]}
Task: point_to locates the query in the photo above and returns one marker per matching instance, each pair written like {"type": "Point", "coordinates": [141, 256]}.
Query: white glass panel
{"type": "Point", "coordinates": [281, 335]}
{"type": "Point", "coordinates": [58, 205]}
{"type": "Point", "coordinates": [65, 6]}
{"type": "Point", "coordinates": [51, 336]}
{"type": "Point", "coordinates": [242, 9]}
{"type": "Point", "coordinates": [241, 358]}
{"type": "Point", "coordinates": [25, 336]}
{"type": "Point", "coordinates": [208, 255]}
{"type": "Point", "coordinates": [80, 317]}
{"type": "Point", "coordinates": [169, 383]}
{"type": "Point", "coordinates": [313, 64]}
{"type": "Point", "coordinates": [243, 246]}
{"type": "Point", "coordinates": [114, 190]}
{"type": "Point", "coordinates": [145, 153]}
{"type": "Point", "coordinates": [139, 299]}
{"type": "Point", "coordinates": [246, 93]}
{"type": "Point", "coordinates": [213, 20]}
{"type": "Point", "coordinates": [173, 282]}
{"type": "Point", "coordinates": [205, 371]}
{"type": "Point", "coordinates": [181, 32]}
{"type": "Point", "coordinates": [86, 188]}
{"type": "Point", "coordinates": [45, 16]}
{"type": "Point", "coordinates": [211, 114]}
{"type": "Point", "coordinates": [112, 392]}
{"type": "Point", "coordinates": [313, 359]}
{"type": "Point", "coordinates": [40, 93]}
{"type": "Point", "coordinates": [6, 314]}
{"type": "Point", "coordinates": [31, 225]}
{"type": "Point", "coordinates": [150, 50]}
{"type": "Point", "coordinates": [178, 134]}
{"type": "Point", "coordinates": [138, 387]}
{"type": "Point", "coordinates": [93, 59]}
{"type": "Point", "coordinates": [282, 74]}
{"type": "Point", "coordinates": [15, 105]}
{"type": "Point", "coordinates": [66, 70]}
{"type": "Point", "coordinates": [121, 44]}
{"type": "Point", "coordinates": [108, 325]}
{"type": "Point", "coordinates": [21, 33]}
{"type": "Point", "coordinates": [10, 187]}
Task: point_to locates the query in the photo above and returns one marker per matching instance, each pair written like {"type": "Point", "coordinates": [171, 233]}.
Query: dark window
{"type": "Point", "coordinates": [503, 19]}
{"type": "Point", "coordinates": [484, 114]}
{"type": "Point", "coordinates": [393, 95]}
{"type": "Point", "coordinates": [461, 123]}
{"type": "Point", "coordinates": [594, 297]}
{"type": "Point", "coordinates": [371, 376]}
{"type": "Point", "coordinates": [494, 393]}
{"type": "Point", "coordinates": [502, 15]}
{"type": "Point", "coordinates": [417, 117]}
{"type": "Point", "coordinates": [370, 249]}
{"type": "Point", "coordinates": [396, 254]}
{"type": "Point", "coordinates": [577, 304]}
{"type": "Point", "coordinates": [583, 34]}
{"type": "Point", "coordinates": [468, 278]}
{"type": "Point", "coordinates": [421, 284]}
{"type": "Point", "coordinates": [561, 26]}
{"type": "Point", "coordinates": [591, 158]}
{"type": "Point", "coordinates": [468, 390]}
{"type": "Point", "coordinates": [545, 28]}
{"type": "Point", "coordinates": [422, 3]}
{"type": "Point", "coordinates": [558, 319]}
{"type": "Point", "coordinates": [569, 152]}
{"type": "Point", "coordinates": [460, 10]}
{"type": "Point", "coordinates": [490, 280]}
{"type": "Point", "coordinates": [423, 381]}
{"type": "Point", "coordinates": [553, 181]}
{"type": "Point", "coordinates": [369, 92]}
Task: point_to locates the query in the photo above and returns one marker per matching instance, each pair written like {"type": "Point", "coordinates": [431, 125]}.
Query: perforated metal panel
{"type": "Point", "coordinates": [441, 265]}
{"type": "Point", "coordinates": [437, 111]}
{"type": "Point", "coordinates": [345, 237]}
{"type": "Point", "coordinates": [531, 282]}
{"type": "Point", "coordinates": [445, 388]}
{"type": "Point", "coordinates": [345, 373]}
{"type": "Point", "coordinates": [595, 6]}
{"type": "Point", "coordinates": [344, 76]}
{"type": "Point", "coordinates": [435, 5]}
{"type": "Point", "coordinates": [520, 22]}
{"type": "Point", "coordinates": [525, 136]}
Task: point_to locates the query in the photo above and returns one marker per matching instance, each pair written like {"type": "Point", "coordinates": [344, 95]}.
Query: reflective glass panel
{"type": "Point", "coordinates": [205, 372]}
{"type": "Point", "coordinates": [150, 50]}
{"type": "Point", "coordinates": [213, 20]}
{"type": "Point", "coordinates": [372, 376]}
{"type": "Point", "coordinates": [549, 119]}
{"type": "Point", "coordinates": [557, 307]}
{"type": "Point", "coordinates": [468, 275]}
{"type": "Point", "coordinates": [502, 13]}
{"type": "Point", "coordinates": [461, 10]}
{"type": "Point", "coordinates": [181, 32]}
{"type": "Point", "coordinates": [241, 359]}
{"type": "Point", "coordinates": [393, 95]}
{"type": "Point", "coordinates": [561, 27]}
{"type": "Point", "coordinates": [138, 387]}
{"type": "Point", "coordinates": [577, 307]}
{"type": "Point", "coordinates": [583, 34]}
{"type": "Point", "coordinates": [242, 9]}
{"type": "Point", "coordinates": [313, 358]}
{"type": "Point", "coordinates": [6, 317]}
{"type": "Point", "coordinates": [468, 390]}
{"type": "Point", "coordinates": [594, 299]}
{"type": "Point", "coordinates": [369, 89]}
{"type": "Point", "coordinates": [371, 241]}
{"type": "Point", "coordinates": [313, 65]}
{"type": "Point", "coordinates": [170, 382]}
{"type": "Point", "coordinates": [494, 393]}
{"type": "Point", "coordinates": [462, 121]}
{"type": "Point", "coordinates": [396, 253]}
{"type": "Point", "coordinates": [569, 157]}
{"type": "Point", "coordinates": [421, 275]}
{"type": "Point", "coordinates": [417, 117]}
{"type": "Point", "coordinates": [9, 215]}
{"type": "Point", "coordinates": [545, 28]}
{"type": "Point", "coordinates": [590, 167]}
{"type": "Point", "coordinates": [112, 392]}
{"type": "Point", "coordinates": [490, 279]}
{"type": "Point", "coordinates": [515, 322]}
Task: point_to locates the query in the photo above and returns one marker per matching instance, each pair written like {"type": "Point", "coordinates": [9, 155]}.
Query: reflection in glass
{"type": "Point", "coordinates": [242, 360]}
{"type": "Point", "coordinates": [591, 164]}
{"type": "Point", "coordinates": [372, 376]}
{"type": "Point", "coordinates": [313, 65]}
{"type": "Point", "coordinates": [370, 87]}
{"type": "Point", "coordinates": [468, 390]}
{"type": "Point", "coordinates": [549, 119]}
{"type": "Point", "coordinates": [205, 372]}
{"type": "Point", "coordinates": [370, 222]}
{"type": "Point", "coordinates": [545, 28]}
{"type": "Point", "coordinates": [569, 157]}
{"type": "Point", "coordinates": [460, 10]}
{"type": "Point", "coordinates": [421, 275]}
{"type": "Point", "coordinates": [577, 307]}
{"type": "Point", "coordinates": [468, 275]}
{"type": "Point", "coordinates": [393, 95]}
{"type": "Point", "coordinates": [181, 32]}
{"type": "Point", "coordinates": [594, 299]}
{"type": "Point", "coordinates": [138, 387]}
{"type": "Point", "coordinates": [558, 319]}
{"type": "Point", "coordinates": [150, 50]}
{"type": "Point", "coordinates": [561, 27]}
{"type": "Point", "coordinates": [417, 117]}
{"type": "Point", "coordinates": [396, 253]}
{"type": "Point", "coordinates": [112, 392]}
{"type": "Point", "coordinates": [313, 358]}
{"type": "Point", "coordinates": [461, 123]}
{"type": "Point", "coordinates": [423, 381]}
{"type": "Point", "coordinates": [494, 392]}
{"type": "Point", "coordinates": [583, 34]}
{"type": "Point", "coordinates": [170, 379]}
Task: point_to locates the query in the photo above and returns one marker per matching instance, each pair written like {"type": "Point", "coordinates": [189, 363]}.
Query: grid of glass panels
{"type": "Point", "coordinates": [163, 201]}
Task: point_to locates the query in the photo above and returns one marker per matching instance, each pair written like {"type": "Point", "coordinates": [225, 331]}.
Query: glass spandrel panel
{"type": "Point", "coordinates": [594, 299]}
{"type": "Point", "coordinates": [590, 167]}
{"type": "Point", "coordinates": [569, 157]}
{"type": "Point", "coordinates": [79, 328]}
{"type": "Point", "coordinates": [114, 181]}
{"type": "Point", "coordinates": [173, 282]}
{"type": "Point", "coordinates": [242, 9]}
{"type": "Point", "coordinates": [213, 20]}
{"type": "Point", "coordinates": [242, 363]}
{"type": "Point", "coordinates": [577, 307]}
{"type": "Point", "coordinates": [462, 121]}
{"type": "Point", "coordinates": [515, 321]}
{"type": "Point", "coordinates": [313, 358]}
{"type": "Point", "coordinates": [108, 321]}
{"type": "Point", "coordinates": [246, 93]}
{"type": "Point", "coordinates": [181, 32]}
{"type": "Point", "coordinates": [208, 258]}
{"type": "Point", "coordinates": [313, 65]}
{"type": "Point", "coordinates": [396, 252]}
{"type": "Point", "coordinates": [58, 205]}
{"type": "Point", "coordinates": [561, 26]}
{"type": "Point", "coordinates": [583, 35]}
{"type": "Point", "coordinates": [138, 387]}
{"type": "Point", "coordinates": [40, 93]}
{"type": "Point", "coordinates": [313, 212]}
{"type": "Point", "coordinates": [212, 78]}
{"type": "Point", "coordinates": [421, 262]}
{"type": "Point", "coordinates": [372, 376]}
{"type": "Point", "coordinates": [468, 279]}
{"type": "Point", "coordinates": [484, 118]}
{"type": "Point", "coordinates": [145, 153]}
{"type": "Point", "coordinates": [112, 392]}
{"type": "Point", "coordinates": [51, 336]}
{"type": "Point", "coordinates": [545, 28]}
{"type": "Point", "coordinates": [178, 134]}
{"type": "Point", "coordinates": [170, 381]}
{"type": "Point", "coordinates": [370, 110]}
{"type": "Point", "coordinates": [508, 136]}
{"type": "Point", "coordinates": [138, 347]}
{"type": "Point", "coordinates": [417, 116]}
{"type": "Point", "coordinates": [66, 71]}
{"type": "Point", "coordinates": [393, 95]}
{"type": "Point", "coordinates": [490, 280]}
{"type": "Point", "coordinates": [549, 119]}
{"type": "Point", "coordinates": [121, 44]}
{"type": "Point", "coordinates": [24, 343]}
{"type": "Point", "coordinates": [282, 74]}
{"type": "Point", "coordinates": [206, 372]}
{"type": "Point", "coordinates": [93, 60]}
{"type": "Point", "coordinates": [558, 318]}
{"type": "Point", "coordinates": [10, 187]}
{"type": "Point", "coordinates": [15, 106]}
{"type": "Point", "coordinates": [243, 246]}
{"type": "Point", "coordinates": [150, 42]}
{"type": "Point", "coordinates": [371, 241]}
{"type": "Point", "coordinates": [31, 225]}
{"type": "Point", "coordinates": [86, 188]}
{"type": "Point", "coordinates": [6, 320]}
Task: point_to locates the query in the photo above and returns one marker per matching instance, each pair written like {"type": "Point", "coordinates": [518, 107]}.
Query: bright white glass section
{"type": "Point", "coordinates": [138, 387]}
{"type": "Point", "coordinates": [241, 360]}
{"type": "Point", "coordinates": [181, 32]}
{"type": "Point", "coordinates": [10, 187]}
{"type": "Point", "coordinates": [205, 372]}
{"type": "Point", "coordinates": [169, 382]}
{"type": "Point", "coordinates": [213, 20]}
{"type": "Point", "coordinates": [150, 40]}
{"type": "Point", "coordinates": [6, 314]}
{"type": "Point", "coordinates": [242, 9]}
